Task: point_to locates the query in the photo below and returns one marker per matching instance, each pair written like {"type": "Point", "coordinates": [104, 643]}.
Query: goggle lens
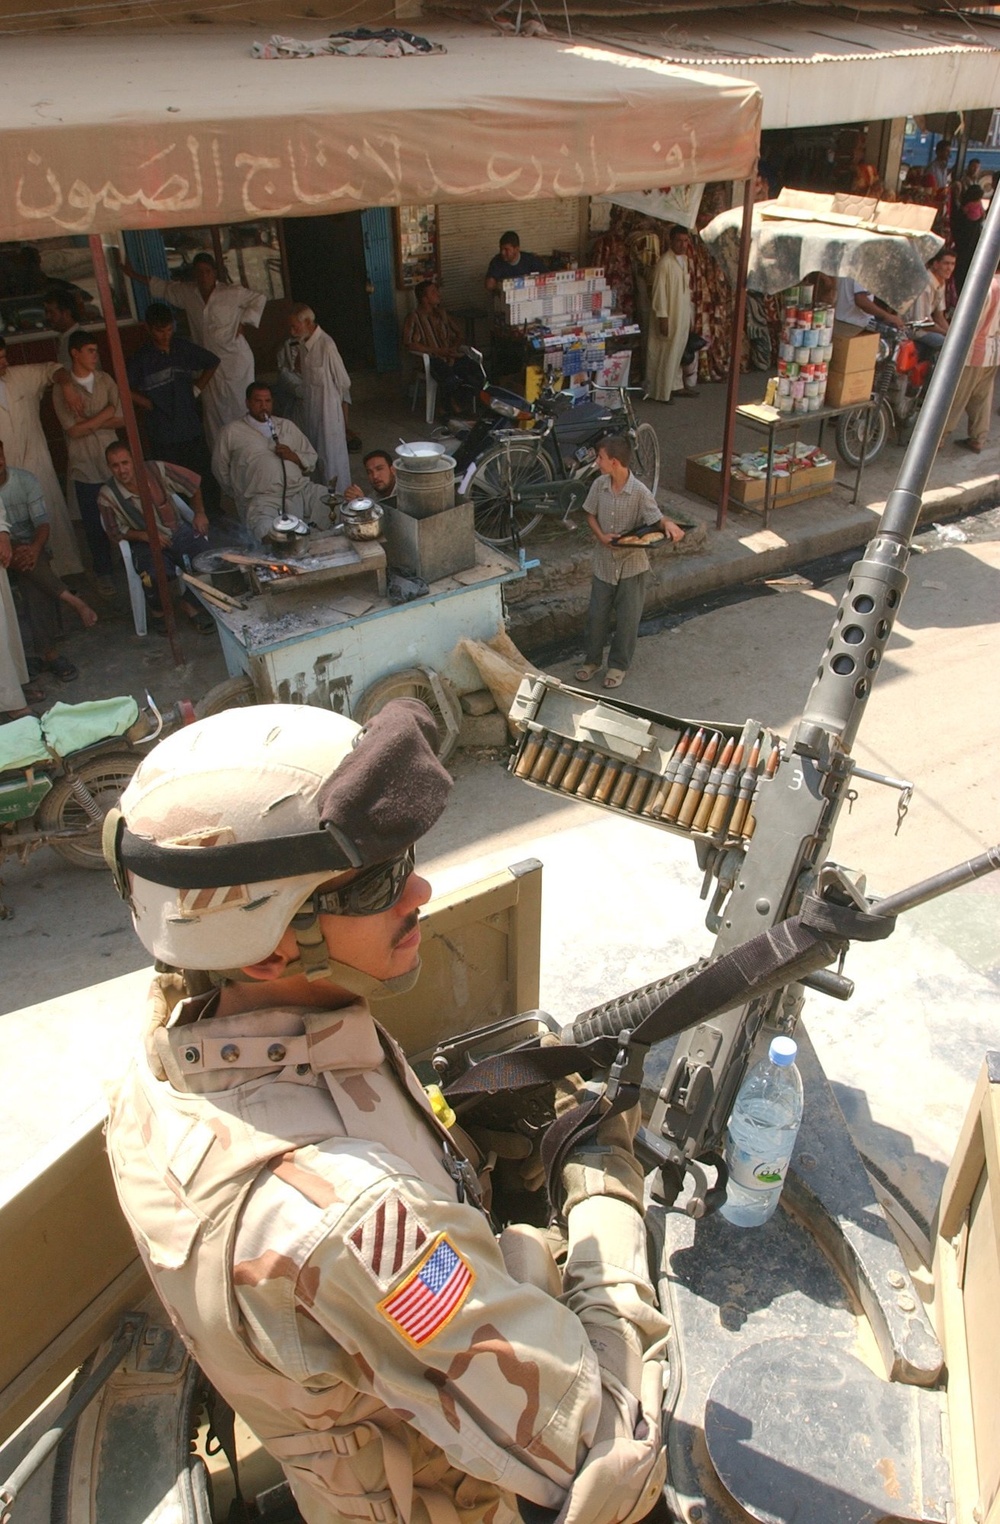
{"type": "Point", "coordinates": [372, 892]}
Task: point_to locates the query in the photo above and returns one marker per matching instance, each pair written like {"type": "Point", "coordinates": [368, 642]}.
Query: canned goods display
{"type": "Point", "coordinates": [784, 386]}
{"type": "Point", "coordinates": [800, 405]}
{"type": "Point", "coordinates": [798, 387]}
{"type": "Point", "coordinates": [786, 352]}
{"type": "Point", "coordinates": [784, 402]}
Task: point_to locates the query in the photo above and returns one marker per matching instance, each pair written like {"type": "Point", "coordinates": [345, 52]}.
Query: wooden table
{"type": "Point", "coordinates": [764, 419]}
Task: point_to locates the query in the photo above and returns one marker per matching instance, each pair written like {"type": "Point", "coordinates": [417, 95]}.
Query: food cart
{"type": "Point", "coordinates": [316, 626]}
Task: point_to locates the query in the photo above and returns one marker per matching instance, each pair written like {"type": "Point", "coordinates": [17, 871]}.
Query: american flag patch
{"type": "Point", "coordinates": [430, 1297]}
{"type": "Point", "coordinates": [388, 1239]}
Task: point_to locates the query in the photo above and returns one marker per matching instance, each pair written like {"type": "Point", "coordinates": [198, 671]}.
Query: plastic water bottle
{"type": "Point", "coordinates": [762, 1129]}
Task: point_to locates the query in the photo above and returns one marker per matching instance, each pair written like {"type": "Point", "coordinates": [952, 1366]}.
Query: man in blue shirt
{"type": "Point", "coordinates": [512, 261]}
{"type": "Point", "coordinates": [162, 376]}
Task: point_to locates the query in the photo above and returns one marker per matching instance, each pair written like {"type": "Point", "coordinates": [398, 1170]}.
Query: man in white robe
{"type": "Point", "coordinates": [216, 315]}
{"type": "Point", "coordinates": [670, 324]}
{"type": "Point", "coordinates": [264, 464]}
{"type": "Point", "coordinates": [310, 366]}
{"type": "Point", "coordinates": [22, 388]}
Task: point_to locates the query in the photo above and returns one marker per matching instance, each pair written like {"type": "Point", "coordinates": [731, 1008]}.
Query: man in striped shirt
{"type": "Point", "coordinates": [616, 504]}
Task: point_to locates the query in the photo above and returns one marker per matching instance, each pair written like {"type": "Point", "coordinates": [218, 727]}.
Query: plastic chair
{"type": "Point", "coordinates": [430, 388]}
{"type": "Point", "coordinates": [136, 595]}
{"type": "Point", "coordinates": [136, 592]}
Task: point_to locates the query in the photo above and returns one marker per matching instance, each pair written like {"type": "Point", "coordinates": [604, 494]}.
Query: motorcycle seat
{"type": "Point", "coordinates": [22, 744]}
{"type": "Point", "coordinates": [581, 423]}
{"type": "Point", "coordinates": [63, 729]}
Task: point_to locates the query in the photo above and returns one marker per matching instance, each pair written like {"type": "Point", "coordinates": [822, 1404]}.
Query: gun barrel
{"type": "Point", "coordinates": [939, 883]}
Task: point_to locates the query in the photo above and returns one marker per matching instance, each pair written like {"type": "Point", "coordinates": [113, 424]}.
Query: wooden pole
{"type": "Point", "coordinates": [134, 442]}
{"type": "Point", "coordinates": [736, 350]}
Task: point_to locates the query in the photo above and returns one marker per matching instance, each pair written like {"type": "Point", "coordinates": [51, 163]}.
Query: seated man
{"type": "Point", "coordinates": [123, 519]}
{"type": "Point", "coordinates": [512, 261]}
{"type": "Point", "coordinates": [264, 464]}
{"type": "Point", "coordinates": [429, 330]}
{"type": "Point", "coordinates": [381, 475]}
{"type": "Point", "coordinates": [164, 376]}
{"type": "Point", "coordinates": [930, 304]}
{"type": "Point", "coordinates": [30, 570]}
{"type": "Point", "coordinates": [860, 309]}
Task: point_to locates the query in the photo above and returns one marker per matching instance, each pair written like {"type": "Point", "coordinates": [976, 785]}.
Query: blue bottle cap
{"type": "Point", "coordinates": [782, 1051]}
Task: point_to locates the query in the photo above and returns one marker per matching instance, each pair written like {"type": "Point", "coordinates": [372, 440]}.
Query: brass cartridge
{"type": "Point", "coordinates": [546, 757]}
{"type": "Point", "coordinates": [563, 754]}
{"type": "Point", "coordinates": [682, 777]}
{"type": "Point", "coordinates": [704, 811]}
{"type": "Point", "coordinates": [699, 778]}
{"type": "Point", "coordinates": [574, 770]}
{"type": "Point", "coordinates": [750, 824]}
{"type": "Point", "coordinates": [748, 783]}
{"type": "Point", "coordinates": [607, 781]}
{"type": "Point", "coordinates": [591, 773]}
{"type": "Point", "coordinates": [656, 798]}
{"type": "Point", "coordinates": [529, 753]}
{"type": "Point", "coordinates": [623, 787]}
{"type": "Point", "coordinates": [644, 782]}
{"type": "Point", "coordinates": [729, 786]}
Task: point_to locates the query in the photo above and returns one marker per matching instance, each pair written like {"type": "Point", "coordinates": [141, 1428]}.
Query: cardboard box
{"type": "Point", "coordinates": [434, 547]}
{"type": "Point", "coordinates": [747, 491]}
{"type": "Point", "coordinates": [852, 351]}
{"type": "Point", "coordinates": [845, 388]}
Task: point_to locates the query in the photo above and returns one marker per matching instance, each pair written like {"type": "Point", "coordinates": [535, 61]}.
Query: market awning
{"type": "Point", "coordinates": [884, 245]}
{"type": "Point", "coordinates": [103, 132]}
{"type": "Point", "coordinates": [817, 66]}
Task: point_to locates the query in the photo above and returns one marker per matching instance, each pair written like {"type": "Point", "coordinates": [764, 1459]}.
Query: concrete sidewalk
{"type": "Point", "coordinates": [547, 609]}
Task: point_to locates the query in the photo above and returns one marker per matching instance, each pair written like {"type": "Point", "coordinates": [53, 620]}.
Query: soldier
{"type": "Point", "coordinates": [314, 1231]}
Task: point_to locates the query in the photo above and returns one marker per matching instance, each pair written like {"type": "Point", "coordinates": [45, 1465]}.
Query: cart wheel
{"type": "Point", "coordinates": [233, 693]}
{"type": "Point", "coordinates": [646, 464]}
{"type": "Point", "coordinates": [501, 472]}
{"type": "Point", "coordinates": [420, 683]}
{"type": "Point", "coordinates": [106, 777]}
{"type": "Point", "coordinates": [851, 430]}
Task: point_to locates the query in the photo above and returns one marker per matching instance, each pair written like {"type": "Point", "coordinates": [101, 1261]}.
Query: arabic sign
{"type": "Point", "coordinates": [102, 179]}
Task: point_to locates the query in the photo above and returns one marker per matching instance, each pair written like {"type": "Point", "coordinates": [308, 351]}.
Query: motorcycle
{"type": "Point", "coordinates": [521, 461]}
{"type": "Point", "coordinates": [901, 378]}
{"type": "Point", "coordinates": [61, 774]}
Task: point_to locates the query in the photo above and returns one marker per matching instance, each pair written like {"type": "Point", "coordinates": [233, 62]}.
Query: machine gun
{"type": "Point", "coordinates": [782, 912]}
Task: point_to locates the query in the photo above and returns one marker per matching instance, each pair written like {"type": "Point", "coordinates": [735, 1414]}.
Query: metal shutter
{"type": "Point", "coordinates": [469, 237]}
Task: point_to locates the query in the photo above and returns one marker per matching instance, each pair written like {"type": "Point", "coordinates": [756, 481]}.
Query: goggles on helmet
{"type": "Point", "coordinates": [376, 889]}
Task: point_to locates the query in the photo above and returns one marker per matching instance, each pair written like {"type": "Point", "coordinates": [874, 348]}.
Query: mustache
{"type": "Point", "coordinates": [409, 925]}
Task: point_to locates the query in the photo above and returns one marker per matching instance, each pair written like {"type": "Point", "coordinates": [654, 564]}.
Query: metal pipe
{"type": "Point", "coordinates": [736, 348]}
{"type": "Point", "coordinates": [939, 883]}
{"type": "Point", "coordinates": [84, 1394]}
{"type": "Point", "coordinates": [134, 442]}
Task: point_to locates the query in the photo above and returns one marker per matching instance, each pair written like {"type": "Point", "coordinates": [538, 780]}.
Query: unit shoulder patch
{"type": "Point", "coordinates": [388, 1239]}
{"type": "Point", "coordinates": [431, 1295]}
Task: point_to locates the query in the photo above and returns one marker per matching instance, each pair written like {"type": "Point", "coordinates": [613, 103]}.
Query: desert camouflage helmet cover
{"type": "Point", "coordinates": [229, 825]}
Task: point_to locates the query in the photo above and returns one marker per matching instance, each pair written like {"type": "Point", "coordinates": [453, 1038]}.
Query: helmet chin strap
{"type": "Point", "coordinates": [314, 962]}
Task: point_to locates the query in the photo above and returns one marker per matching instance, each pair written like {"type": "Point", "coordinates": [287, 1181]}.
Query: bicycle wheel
{"type": "Point", "coordinates": [851, 430]}
{"type": "Point", "coordinates": [646, 456]}
{"type": "Point", "coordinates": [502, 472]}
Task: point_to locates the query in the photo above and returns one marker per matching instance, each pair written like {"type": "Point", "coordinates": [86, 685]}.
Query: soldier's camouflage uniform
{"type": "Point", "coordinates": [288, 1187]}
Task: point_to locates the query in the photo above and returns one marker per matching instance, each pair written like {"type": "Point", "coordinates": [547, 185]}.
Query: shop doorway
{"type": "Point", "coordinates": [327, 269]}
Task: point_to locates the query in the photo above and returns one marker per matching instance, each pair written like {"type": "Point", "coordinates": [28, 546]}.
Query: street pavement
{"type": "Point", "coordinates": [621, 902]}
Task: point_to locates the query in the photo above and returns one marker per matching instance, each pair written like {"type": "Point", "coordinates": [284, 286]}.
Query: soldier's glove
{"type": "Point", "coordinates": [606, 1283]}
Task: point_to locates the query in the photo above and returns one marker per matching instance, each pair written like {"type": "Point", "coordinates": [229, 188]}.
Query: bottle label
{"type": "Point", "coordinates": [751, 1171]}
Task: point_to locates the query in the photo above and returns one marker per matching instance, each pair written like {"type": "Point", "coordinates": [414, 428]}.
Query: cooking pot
{"type": "Point", "coordinates": [421, 454]}
{"type": "Point", "coordinates": [362, 518]}
{"type": "Point", "coordinates": [221, 574]}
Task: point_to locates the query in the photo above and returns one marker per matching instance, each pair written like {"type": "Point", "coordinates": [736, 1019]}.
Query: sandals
{"type": "Point", "coordinates": [64, 670]}
{"type": "Point", "coordinates": [585, 673]}
{"type": "Point", "coordinates": [614, 677]}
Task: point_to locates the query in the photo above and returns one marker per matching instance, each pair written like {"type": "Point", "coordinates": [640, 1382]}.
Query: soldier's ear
{"type": "Point", "coordinates": [275, 964]}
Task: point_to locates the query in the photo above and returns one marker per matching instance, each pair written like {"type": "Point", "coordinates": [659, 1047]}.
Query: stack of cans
{"type": "Point", "coordinates": [804, 352]}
